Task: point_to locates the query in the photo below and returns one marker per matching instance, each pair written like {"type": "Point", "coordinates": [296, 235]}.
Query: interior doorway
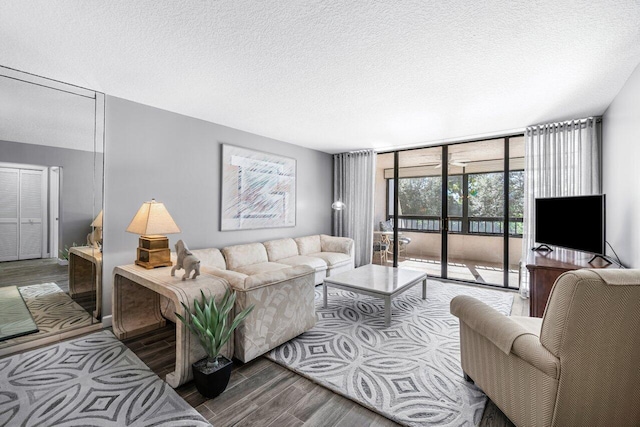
{"type": "Point", "coordinates": [23, 212]}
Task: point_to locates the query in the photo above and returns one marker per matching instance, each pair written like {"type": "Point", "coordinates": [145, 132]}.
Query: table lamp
{"type": "Point", "coordinates": [151, 222]}
{"type": "Point", "coordinates": [95, 237]}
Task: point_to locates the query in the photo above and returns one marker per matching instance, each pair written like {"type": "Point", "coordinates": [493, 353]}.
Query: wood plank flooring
{"type": "Point", "coordinates": [260, 393]}
{"type": "Point", "coordinates": [263, 393]}
{"type": "Point", "coordinates": [45, 270]}
{"type": "Point", "coordinates": [34, 271]}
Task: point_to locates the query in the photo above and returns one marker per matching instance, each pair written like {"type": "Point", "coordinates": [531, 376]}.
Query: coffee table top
{"type": "Point", "coordinates": [377, 278]}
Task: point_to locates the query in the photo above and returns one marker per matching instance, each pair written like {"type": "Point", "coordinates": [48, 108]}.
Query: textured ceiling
{"type": "Point", "coordinates": [337, 75]}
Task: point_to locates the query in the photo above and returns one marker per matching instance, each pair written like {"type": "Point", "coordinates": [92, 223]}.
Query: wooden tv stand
{"type": "Point", "coordinates": [545, 267]}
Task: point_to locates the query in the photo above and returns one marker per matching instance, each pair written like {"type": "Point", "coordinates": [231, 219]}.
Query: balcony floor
{"type": "Point", "coordinates": [472, 271]}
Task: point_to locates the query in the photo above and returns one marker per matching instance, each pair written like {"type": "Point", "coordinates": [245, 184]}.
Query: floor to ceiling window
{"type": "Point", "coordinates": [479, 185]}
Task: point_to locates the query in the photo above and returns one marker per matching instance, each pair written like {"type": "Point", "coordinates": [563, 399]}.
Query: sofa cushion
{"type": "Point", "coordinates": [318, 264]}
{"type": "Point", "coordinates": [308, 245]}
{"type": "Point", "coordinates": [242, 255]}
{"type": "Point", "coordinates": [342, 245]}
{"type": "Point", "coordinates": [270, 278]}
{"type": "Point", "coordinates": [261, 267]}
{"type": "Point", "coordinates": [333, 259]}
{"type": "Point", "coordinates": [282, 248]}
{"type": "Point", "coordinates": [211, 257]}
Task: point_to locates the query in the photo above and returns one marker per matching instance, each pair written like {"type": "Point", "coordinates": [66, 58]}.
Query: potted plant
{"type": "Point", "coordinates": [208, 322]}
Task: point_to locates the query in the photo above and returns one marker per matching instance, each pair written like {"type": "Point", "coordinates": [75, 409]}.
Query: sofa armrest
{"type": "Point", "coordinates": [488, 322]}
{"type": "Point", "coordinates": [270, 278]}
{"type": "Point", "coordinates": [235, 279]}
{"type": "Point", "coordinates": [343, 245]}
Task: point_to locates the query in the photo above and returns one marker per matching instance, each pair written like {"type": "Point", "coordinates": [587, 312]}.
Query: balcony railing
{"type": "Point", "coordinates": [491, 226]}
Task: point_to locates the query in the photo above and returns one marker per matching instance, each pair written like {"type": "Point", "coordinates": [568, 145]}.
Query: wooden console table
{"type": "Point", "coordinates": [545, 267]}
{"type": "Point", "coordinates": [85, 274]}
{"type": "Point", "coordinates": [137, 298]}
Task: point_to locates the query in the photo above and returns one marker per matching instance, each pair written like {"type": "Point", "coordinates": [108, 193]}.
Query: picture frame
{"type": "Point", "coordinates": [258, 189]}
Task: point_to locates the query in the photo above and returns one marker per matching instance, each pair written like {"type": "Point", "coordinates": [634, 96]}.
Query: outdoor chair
{"type": "Point", "coordinates": [403, 241]}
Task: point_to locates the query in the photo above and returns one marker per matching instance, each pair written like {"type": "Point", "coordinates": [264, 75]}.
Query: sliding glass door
{"type": "Point", "coordinates": [454, 211]}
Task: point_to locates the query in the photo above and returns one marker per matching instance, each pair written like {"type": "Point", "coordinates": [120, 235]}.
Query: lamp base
{"type": "Point", "coordinates": [153, 251]}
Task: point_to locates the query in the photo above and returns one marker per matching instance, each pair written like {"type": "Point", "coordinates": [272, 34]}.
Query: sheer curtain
{"type": "Point", "coordinates": [353, 184]}
{"type": "Point", "coordinates": [562, 159]}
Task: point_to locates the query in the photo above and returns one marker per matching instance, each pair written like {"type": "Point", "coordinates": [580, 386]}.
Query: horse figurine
{"type": "Point", "coordinates": [186, 260]}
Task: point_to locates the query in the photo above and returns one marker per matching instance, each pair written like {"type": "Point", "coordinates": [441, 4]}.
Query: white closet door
{"type": "Point", "coordinates": [9, 190]}
{"type": "Point", "coordinates": [31, 214]}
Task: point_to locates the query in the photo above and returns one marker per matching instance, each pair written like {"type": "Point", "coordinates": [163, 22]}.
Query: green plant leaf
{"type": "Point", "coordinates": [211, 322]}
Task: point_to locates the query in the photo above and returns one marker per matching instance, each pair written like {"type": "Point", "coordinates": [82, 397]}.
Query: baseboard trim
{"type": "Point", "coordinates": [107, 321]}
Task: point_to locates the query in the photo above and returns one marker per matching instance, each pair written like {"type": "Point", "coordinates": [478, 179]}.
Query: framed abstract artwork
{"type": "Point", "coordinates": [258, 190]}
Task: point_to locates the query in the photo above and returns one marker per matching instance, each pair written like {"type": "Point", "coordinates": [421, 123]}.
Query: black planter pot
{"type": "Point", "coordinates": [212, 382]}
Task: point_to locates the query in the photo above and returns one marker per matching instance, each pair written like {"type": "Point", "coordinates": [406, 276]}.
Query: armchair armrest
{"type": "Point", "coordinates": [486, 321]}
{"type": "Point", "coordinates": [507, 335]}
{"type": "Point", "coordinates": [529, 348]}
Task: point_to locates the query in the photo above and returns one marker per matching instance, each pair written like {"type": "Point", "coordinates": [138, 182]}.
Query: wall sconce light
{"type": "Point", "coordinates": [338, 206]}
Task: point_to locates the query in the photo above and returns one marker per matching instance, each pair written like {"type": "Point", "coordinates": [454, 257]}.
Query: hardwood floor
{"type": "Point", "coordinates": [38, 271]}
{"type": "Point", "coordinates": [262, 393]}
{"type": "Point", "coordinates": [34, 271]}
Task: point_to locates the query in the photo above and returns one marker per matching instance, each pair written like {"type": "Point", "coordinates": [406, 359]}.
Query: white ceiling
{"type": "Point", "coordinates": [338, 75]}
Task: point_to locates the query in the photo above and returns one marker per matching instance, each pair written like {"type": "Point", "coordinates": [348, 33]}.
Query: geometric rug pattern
{"type": "Point", "coordinates": [409, 372]}
{"type": "Point", "coordinates": [53, 312]}
{"type": "Point", "coordinates": [89, 381]}
{"type": "Point", "coordinates": [15, 318]}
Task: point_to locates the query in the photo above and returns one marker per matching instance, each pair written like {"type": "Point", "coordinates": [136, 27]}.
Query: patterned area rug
{"type": "Point", "coordinates": [15, 318]}
{"type": "Point", "coordinates": [409, 372]}
{"type": "Point", "coordinates": [90, 381]}
{"type": "Point", "coordinates": [52, 310]}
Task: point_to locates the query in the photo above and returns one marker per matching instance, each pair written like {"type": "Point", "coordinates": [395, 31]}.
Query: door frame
{"type": "Point", "coordinates": [444, 228]}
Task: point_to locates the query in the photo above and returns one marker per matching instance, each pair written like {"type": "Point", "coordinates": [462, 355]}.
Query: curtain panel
{"type": "Point", "coordinates": [562, 159]}
{"type": "Point", "coordinates": [353, 184]}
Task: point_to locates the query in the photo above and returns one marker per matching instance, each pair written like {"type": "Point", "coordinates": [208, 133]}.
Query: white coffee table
{"type": "Point", "coordinates": [377, 281]}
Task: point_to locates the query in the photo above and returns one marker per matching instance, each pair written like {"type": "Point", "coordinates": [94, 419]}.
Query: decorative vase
{"type": "Point", "coordinates": [211, 381]}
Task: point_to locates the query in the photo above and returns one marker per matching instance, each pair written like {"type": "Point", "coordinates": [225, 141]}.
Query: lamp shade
{"type": "Point", "coordinates": [152, 219]}
{"type": "Point", "coordinates": [98, 221]}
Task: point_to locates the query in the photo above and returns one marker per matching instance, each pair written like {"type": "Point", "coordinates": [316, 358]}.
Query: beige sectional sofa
{"type": "Point", "coordinates": [327, 255]}
{"type": "Point", "coordinates": [278, 278]}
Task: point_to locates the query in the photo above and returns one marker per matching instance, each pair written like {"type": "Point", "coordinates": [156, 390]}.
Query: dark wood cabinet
{"type": "Point", "coordinates": [545, 267]}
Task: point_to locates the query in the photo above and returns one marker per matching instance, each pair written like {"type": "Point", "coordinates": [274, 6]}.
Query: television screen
{"type": "Point", "coordinates": [576, 222]}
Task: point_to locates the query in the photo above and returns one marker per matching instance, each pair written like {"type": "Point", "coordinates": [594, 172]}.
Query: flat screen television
{"type": "Point", "coordinates": [576, 222]}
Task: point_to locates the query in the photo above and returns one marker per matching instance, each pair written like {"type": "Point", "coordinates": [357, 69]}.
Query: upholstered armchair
{"type": "Point", "coordinates": [577, 366]}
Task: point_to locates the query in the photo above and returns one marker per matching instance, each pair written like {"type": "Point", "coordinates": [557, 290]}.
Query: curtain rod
{"type": "Point", "coordinates": [453, 142]}
{"type": "Point", "coordinates": [574, 122]}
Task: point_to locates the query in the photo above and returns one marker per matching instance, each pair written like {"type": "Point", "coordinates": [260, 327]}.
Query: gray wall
{"type": "Point", "coordinates": [621, 171]}
{"type": "Point", "coordinates": [152, 153]}
{"type": "Point", "coordinates": [79, 206]}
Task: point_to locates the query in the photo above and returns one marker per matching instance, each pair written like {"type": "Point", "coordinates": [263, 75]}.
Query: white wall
{"type": "Point", "coordinates": [621, 171]}
{"type": "Point", "coordinates": [152, 153]}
